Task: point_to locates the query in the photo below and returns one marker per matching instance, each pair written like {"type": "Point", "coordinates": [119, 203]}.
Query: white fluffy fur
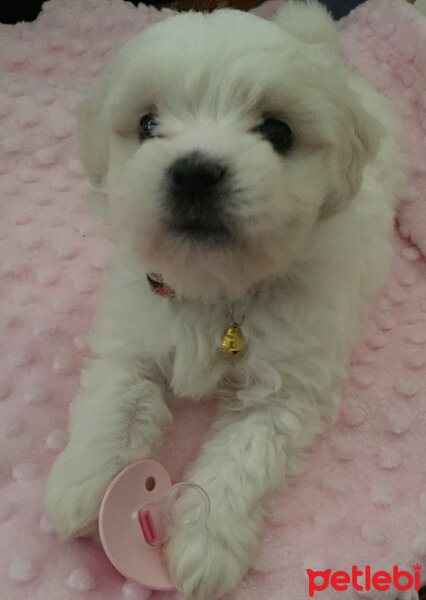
{"type": "Point", "coordinates": [313, 227]}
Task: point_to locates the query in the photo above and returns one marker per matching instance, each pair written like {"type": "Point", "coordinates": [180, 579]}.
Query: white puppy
{"type": "Point", "coordinates": [244, 164]}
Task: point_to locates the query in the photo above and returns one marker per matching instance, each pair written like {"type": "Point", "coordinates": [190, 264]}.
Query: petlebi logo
{"type": "Point", "coordinates": [363, 580]}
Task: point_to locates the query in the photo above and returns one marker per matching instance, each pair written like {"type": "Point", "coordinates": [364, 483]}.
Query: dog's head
{"type": "Point", "coordinates": [222, 140]}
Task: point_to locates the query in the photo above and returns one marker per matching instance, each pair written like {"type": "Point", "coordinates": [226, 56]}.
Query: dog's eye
{"type": "Point", "coordinates": [146, 126]}
{"type": "Point", "coordinates": [277, 133]}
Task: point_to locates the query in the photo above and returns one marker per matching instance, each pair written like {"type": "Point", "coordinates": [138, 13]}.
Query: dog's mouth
{"type": "Point", "coordinates": [201, 230]}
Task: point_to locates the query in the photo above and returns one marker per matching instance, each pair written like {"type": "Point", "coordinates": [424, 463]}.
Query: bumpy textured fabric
{"type": "Point", "coordinates": [363, 499]}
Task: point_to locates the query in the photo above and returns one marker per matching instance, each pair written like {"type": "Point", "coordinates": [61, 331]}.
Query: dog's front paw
{"type": "Point", "coordinates": [74, 492]}
{"type": "Point", "coordinates": [209, 561]}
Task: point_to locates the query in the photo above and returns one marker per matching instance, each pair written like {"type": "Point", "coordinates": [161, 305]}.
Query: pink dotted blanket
{"type": "Point", "coordinates": [363, 499]}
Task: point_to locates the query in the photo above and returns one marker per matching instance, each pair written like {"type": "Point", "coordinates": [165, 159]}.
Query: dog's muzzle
{"type": "Point", "coordinates": [195, 198]}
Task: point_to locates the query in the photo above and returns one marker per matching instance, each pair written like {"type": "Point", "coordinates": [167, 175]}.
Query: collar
{"type": "Point", "coordinates": [158, 286]}
{"type": "Point", "coordinates": [232, 338]}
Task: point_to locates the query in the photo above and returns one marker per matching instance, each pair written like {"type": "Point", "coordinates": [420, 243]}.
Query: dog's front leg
{"type": "Point", "coordinates": [116, 419]}
{"type": "Point", "coordinates": [240, 467]}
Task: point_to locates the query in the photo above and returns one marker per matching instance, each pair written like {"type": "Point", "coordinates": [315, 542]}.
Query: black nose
{"type": "Point", "coordinates": [194, 177]}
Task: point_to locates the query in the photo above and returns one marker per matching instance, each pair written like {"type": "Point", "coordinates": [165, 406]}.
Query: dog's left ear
{"type": "Point", "coordinates": [308, 21]}
{"type": "Point", "coordinates": [357, 134]}
{"type": "Point", "coordinates": [357, 141]}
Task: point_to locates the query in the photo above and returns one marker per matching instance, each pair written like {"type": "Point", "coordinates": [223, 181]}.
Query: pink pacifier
{"type": "Point", "coordinates": [135, 515]}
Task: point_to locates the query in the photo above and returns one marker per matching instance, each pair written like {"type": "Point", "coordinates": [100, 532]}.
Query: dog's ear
{"type": "Point", "coordinates": [93, 134]}
{"type": "Point", "coordinates": [308, 21]}
{"type": "Point", "coordinates": [92, 115]}
{"type": "Point", "coordinates": [358, 137]}
{"type": "Point", "coordinates": [357, 134]}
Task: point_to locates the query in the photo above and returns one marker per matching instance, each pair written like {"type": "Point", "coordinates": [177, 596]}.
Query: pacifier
{"type": "Point", "coordinates": [136, 514]}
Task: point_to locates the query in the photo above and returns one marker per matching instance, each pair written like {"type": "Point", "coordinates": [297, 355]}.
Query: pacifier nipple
{"type": "Point", "coordinates": [185, 506]}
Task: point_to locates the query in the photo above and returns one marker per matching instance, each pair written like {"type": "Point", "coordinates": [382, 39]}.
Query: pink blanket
{"type": "Point", "coordinates": [363, 500]}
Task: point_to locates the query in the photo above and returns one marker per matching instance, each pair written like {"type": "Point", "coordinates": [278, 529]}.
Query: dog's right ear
{"type": "Point", "coordinates": [92, 117]}
{"type": "Point", "coordinates": [93, 134]}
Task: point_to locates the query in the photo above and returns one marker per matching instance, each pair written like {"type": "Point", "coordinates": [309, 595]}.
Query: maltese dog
{"type": "Point", "coordinates": [251, 182]}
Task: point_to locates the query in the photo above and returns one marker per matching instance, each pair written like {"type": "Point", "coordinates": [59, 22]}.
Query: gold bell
{"type": "Point", "coordinates": [233, 340]}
